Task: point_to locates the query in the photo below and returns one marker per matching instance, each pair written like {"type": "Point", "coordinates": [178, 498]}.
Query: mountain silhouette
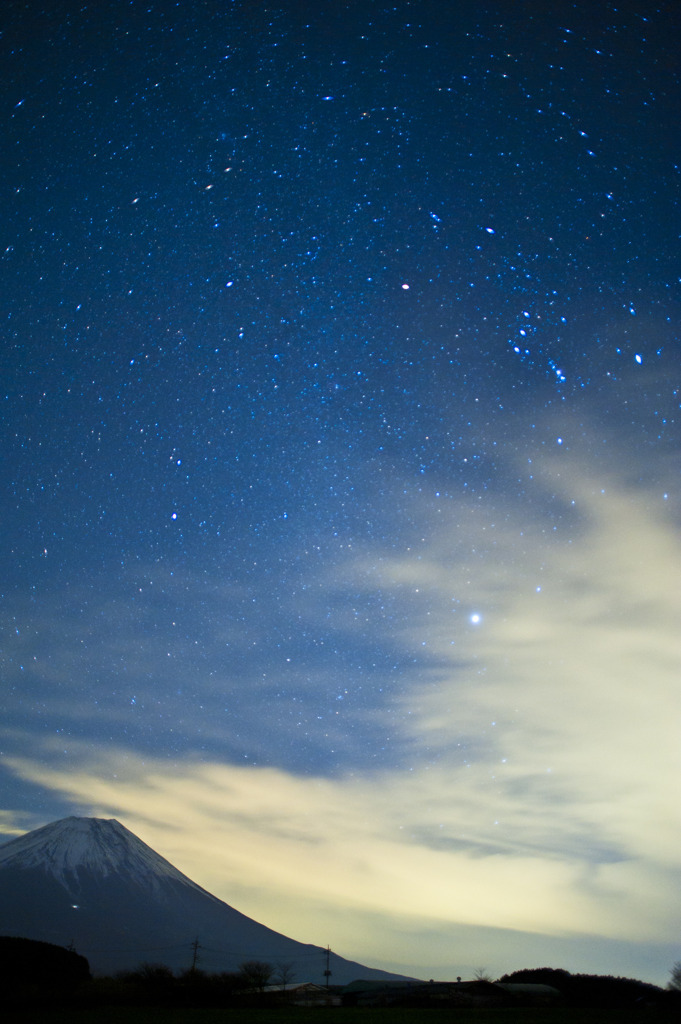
{"type": "Point", "coordinates": [91, 884]}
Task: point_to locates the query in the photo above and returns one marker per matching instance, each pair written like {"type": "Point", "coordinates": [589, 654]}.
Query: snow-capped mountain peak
{"type": "Point", "coordinates": [104, 846]}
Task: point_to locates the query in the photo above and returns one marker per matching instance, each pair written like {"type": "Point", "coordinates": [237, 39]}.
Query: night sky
{"type": "Point", "coordinates": [341, 535]}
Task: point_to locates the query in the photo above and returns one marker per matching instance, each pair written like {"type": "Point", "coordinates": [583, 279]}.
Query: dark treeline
{"type": "Point", "coordinates": [156, 984]}
{"type": "Point", "coordinates": [38, 973]}
{"type": "Point", "coordinates": [30, 970]}
{"type": "Point", "coordinates": [592, 990]}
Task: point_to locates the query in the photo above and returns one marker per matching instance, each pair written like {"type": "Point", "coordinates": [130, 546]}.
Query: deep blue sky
{"type": "Point", "coordinates": [340, 431]}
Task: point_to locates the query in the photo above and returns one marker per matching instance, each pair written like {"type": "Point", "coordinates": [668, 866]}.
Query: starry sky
{"type": "Point", "coordinates": [340, 483]}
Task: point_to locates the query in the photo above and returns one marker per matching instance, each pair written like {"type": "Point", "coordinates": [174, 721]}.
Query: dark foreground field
{"type": "Point", "coordinates": [338, 1015]}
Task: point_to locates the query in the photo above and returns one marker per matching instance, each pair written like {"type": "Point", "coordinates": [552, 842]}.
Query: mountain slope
{"type": "Point", "coordinates": [92, 884]}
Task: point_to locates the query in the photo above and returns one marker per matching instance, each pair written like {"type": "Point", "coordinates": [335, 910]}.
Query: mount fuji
{"type": "Point", "coordinates": [91, 884]}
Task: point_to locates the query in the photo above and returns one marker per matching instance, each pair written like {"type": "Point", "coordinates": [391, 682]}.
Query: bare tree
{"type": "Point", "coordinates": [255, 974]}
{"type": "Point", "coordinates": [675, 980]}
{"type": "Point", "coordinates": [284, 974]}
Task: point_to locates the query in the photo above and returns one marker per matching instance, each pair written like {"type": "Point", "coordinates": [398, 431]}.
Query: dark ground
{"type": "Point", "coordinates": [337, 1015]}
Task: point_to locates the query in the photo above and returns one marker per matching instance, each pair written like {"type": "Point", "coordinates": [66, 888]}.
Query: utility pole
{"type": "Point", "coordinates": [327, 972]}
{"type": "Point", "coordinates": [196, 946]}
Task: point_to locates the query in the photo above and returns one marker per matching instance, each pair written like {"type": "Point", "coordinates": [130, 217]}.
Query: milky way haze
{"type": "Point", "coordinates": [340, 481]}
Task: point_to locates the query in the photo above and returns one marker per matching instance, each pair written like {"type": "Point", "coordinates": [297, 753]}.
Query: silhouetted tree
{"type": "Point", "coordinates": [149, 984]}
{"type": "Point", "coordinates": [675, 979]}
{"type": "Point", "coordinates": [255, 974]}
{"type": "Point", "coordinates": [283, 975]}
{"type": "Point", "coordinates": [152, 974]}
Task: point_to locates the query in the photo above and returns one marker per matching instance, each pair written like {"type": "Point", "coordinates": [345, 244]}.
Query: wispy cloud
{"type": "Point", "coordinates": [538, 736]}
